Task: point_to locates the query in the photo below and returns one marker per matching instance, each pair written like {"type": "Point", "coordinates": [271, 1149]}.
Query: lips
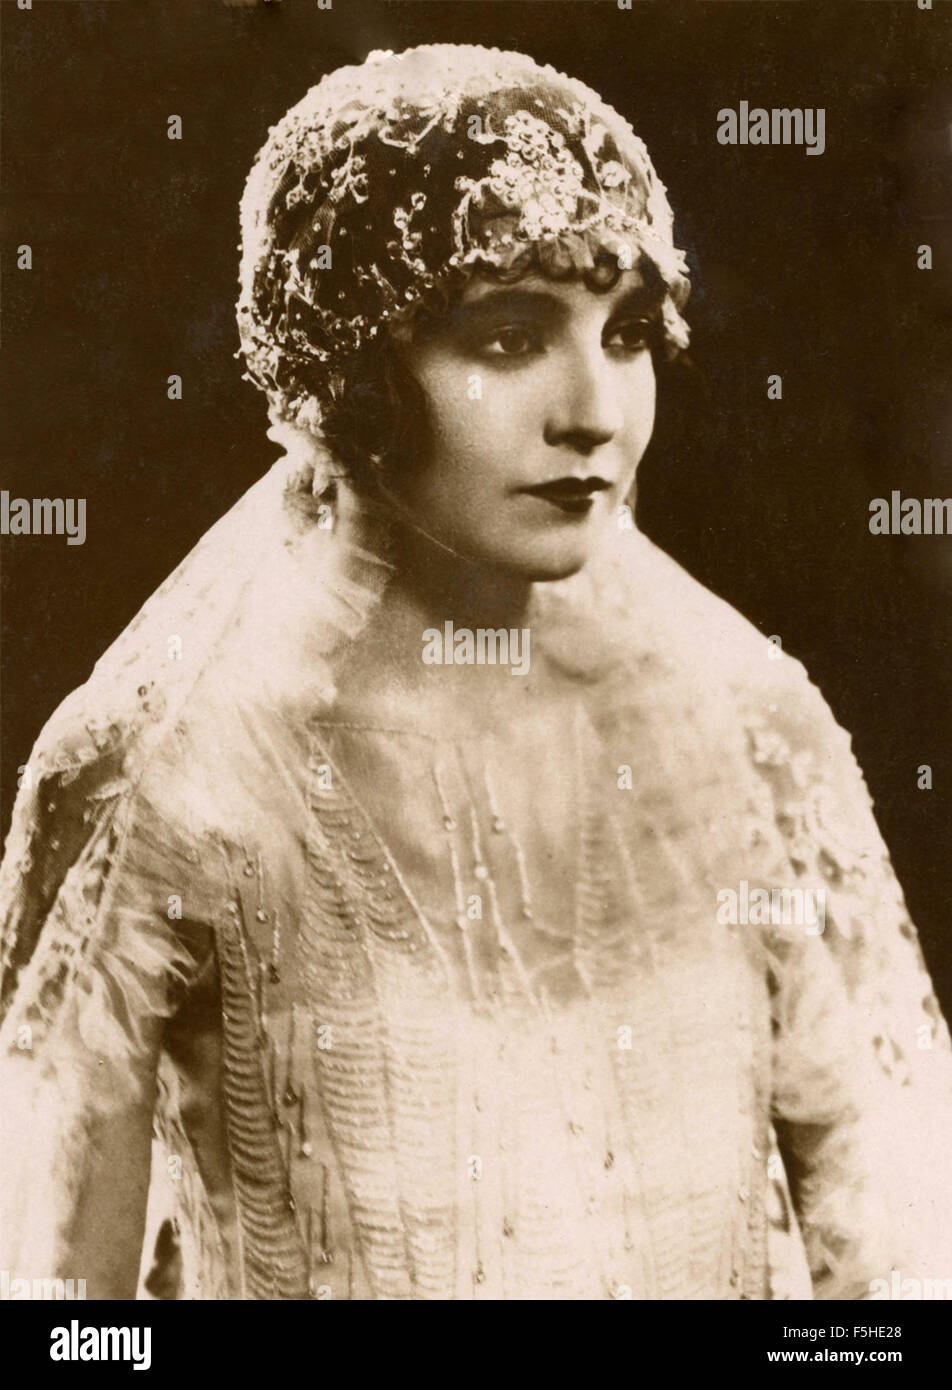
{"type": "Point", "coordinates": [568, 489]}
{"type": "Point", "coordinates": [574, 495]}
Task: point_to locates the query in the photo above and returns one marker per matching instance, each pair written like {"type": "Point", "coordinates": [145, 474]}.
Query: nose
{"type": "Point", "coordinates": [587, 408]}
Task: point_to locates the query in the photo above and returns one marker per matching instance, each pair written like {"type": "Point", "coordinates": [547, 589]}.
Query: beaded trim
{"type": "Point", "coordinates": [393, 179]}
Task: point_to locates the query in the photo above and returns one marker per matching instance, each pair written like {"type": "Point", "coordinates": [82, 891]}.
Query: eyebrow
{"type": "Point", "coordinates": [496, 302]}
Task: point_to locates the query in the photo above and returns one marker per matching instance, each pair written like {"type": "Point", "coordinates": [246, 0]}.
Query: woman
{"type": "Point", "coordinates": [383, 860]}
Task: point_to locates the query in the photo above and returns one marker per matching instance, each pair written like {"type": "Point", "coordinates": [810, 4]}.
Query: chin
{"type": "Point", "coordinates": [545, 566]}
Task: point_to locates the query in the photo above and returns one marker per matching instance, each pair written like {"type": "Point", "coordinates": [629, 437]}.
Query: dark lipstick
{"type": "Point", "coordinates": [573, 495]}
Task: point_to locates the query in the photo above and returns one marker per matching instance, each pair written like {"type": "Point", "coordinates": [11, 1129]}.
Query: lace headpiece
{"type": "Point", "coordinates": [393, 179]}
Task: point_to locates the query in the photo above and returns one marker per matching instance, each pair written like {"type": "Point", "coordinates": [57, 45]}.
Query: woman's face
{"type": "Point", "coordinates": [541, 403]}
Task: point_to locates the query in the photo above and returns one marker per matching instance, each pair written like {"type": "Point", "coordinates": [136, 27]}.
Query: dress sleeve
{"type": "Point", "coordinates": [97, 952]}
{"type": "Point", "coordinates": [862, 1067]}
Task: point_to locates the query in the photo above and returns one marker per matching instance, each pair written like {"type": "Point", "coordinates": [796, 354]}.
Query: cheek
{"type": "Point", "coordinates": [639, 417]}
{"type": "Point", "coordinates": [479, 422]}
{"type": "Point", "coordinates": [640, 395]}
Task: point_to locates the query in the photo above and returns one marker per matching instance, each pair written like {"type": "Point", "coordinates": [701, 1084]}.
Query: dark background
{"type": "Point", "coordinates": [803, 265]}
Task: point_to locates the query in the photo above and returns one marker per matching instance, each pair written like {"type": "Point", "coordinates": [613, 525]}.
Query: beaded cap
{"type": "Point", "coordinates": [395, 179]}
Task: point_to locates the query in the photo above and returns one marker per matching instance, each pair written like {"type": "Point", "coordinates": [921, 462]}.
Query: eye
{"type": "Point", "coordinates": [512, 340]}
{"type": "Point", "coordinates": [635, 334]}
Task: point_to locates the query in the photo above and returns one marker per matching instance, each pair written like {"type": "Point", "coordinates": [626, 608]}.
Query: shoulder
{"type": "Point", "coordinates": [205, 756]}
{"type": "Point", "coordinates": [752, 696]}
{"type": "Point", "coordinates": [671, 631]}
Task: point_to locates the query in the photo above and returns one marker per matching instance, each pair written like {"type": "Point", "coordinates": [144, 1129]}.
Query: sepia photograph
{"type": "Point", "coordinates": [476, 615]}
